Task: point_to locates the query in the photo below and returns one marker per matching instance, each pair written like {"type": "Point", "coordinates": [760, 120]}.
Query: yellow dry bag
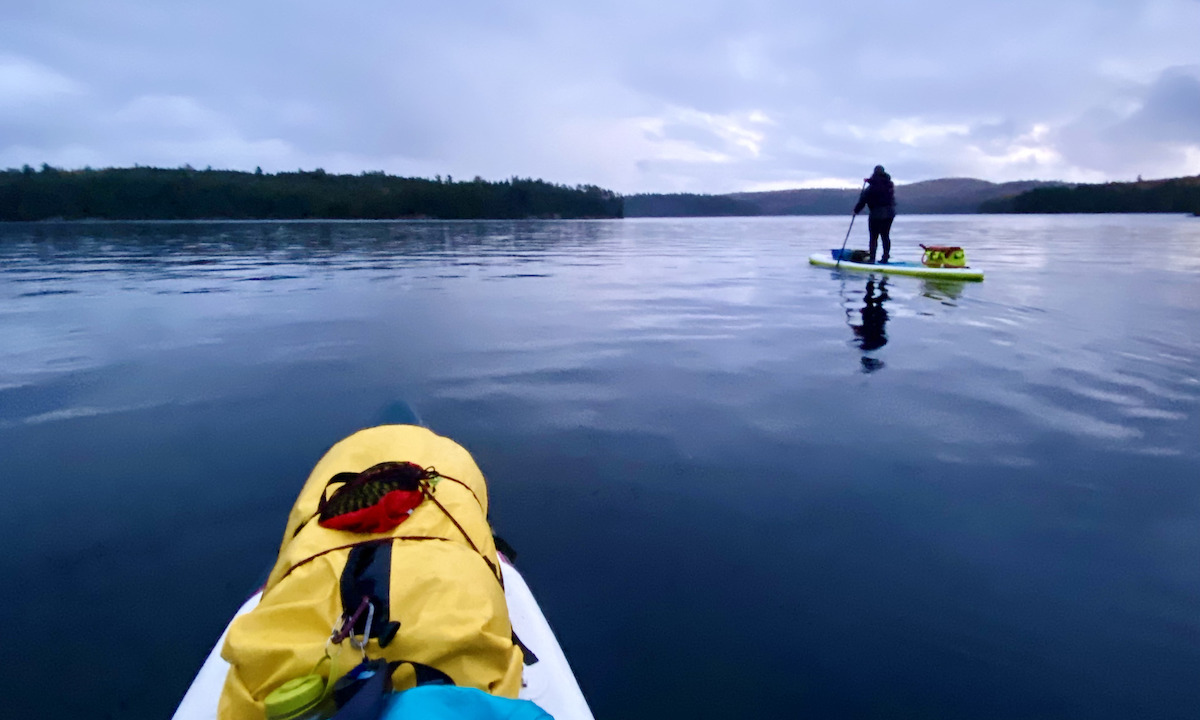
{"type": "Point", "coordinates": [432, 582]}
{"type": "Point", "coordinates": [937, 256]}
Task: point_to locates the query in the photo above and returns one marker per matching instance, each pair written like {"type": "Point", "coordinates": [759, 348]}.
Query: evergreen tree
{"type": "Point", "coordinates": [153, 193]}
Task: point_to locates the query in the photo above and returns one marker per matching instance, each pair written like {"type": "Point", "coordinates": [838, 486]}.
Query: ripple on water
{"type": "Point", "coordinates": [42, 293]}
{"type": "Point", "coordinates": [1016, 463]}
{"type": "Point", "coordinates": [76, 412]}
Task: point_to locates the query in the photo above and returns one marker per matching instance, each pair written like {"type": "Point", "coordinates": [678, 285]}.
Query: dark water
{"type": "Point", "coordinates": [741, 486]}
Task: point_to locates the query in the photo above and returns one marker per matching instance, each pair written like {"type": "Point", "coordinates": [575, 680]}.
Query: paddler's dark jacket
{"type": "Point", "coordinates": [879, 195]}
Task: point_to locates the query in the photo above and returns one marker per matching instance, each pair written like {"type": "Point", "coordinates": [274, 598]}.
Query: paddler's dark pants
{"type": "Point", "coordinates": [880, 225]}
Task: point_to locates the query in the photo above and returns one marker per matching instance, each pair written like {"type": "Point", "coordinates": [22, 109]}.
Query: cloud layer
{"type": "Point", "coordinates": [699, 96]}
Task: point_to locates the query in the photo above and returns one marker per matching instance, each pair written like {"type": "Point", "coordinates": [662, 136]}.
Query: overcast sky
{"type": "Point", "coordinates": [651, 96]}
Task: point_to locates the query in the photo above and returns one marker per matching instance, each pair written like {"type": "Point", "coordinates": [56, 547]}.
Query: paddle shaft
{"type": "Point", "coordinates": [838, 264]}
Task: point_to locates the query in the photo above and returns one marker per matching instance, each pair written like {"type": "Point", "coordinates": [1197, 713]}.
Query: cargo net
{"type": "Point", "coordinates": [949, 256]}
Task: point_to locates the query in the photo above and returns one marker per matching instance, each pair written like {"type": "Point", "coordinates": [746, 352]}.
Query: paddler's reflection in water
{"type": "Point", "coordinates": [871, 335]}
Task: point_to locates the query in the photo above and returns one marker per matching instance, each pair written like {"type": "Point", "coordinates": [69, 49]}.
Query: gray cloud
{"type": "Point", "coordinates": [1171, 111]}
{"type": "Point", "coordinates": [1162, 131]}
{"type": "Point", "coordinates": [701, 95]}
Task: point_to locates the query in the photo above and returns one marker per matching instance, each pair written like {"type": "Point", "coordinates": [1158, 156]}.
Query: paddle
{"type": "Point", "coordinates": [838, 264]}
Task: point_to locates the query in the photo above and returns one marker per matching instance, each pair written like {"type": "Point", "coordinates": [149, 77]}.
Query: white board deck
{"type": "Point", "coordinates": [548, 682]}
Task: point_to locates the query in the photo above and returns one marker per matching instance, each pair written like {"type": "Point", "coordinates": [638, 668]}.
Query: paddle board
{"type": "Point", "coordinates": [548, 682]}
{"type": "Point", "coordinates": [825, 259]}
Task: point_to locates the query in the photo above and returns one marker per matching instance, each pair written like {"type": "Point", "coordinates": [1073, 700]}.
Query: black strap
{"type": "Point", "coordinates": [530, 658]}
{"type": "Point", "coordinates": [368, 574]}
{"type": "Point", "coordinates": [425, 674]}
{"type": "Point", "coordinates": [505, 548]}
{"type": "Point", "coordinates": [342, 477]}
{"type": "Point", "coordinates": [362, 698]}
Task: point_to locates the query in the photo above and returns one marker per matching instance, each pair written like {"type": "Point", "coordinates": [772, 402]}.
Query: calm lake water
{"type": "Point", "coordinates": [740, 485]}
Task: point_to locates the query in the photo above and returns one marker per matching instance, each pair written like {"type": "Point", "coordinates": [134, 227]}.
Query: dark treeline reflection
{"type": "Point", "coordinates": [143, 193]}
{"type": "Point", "coordinates": [153, 247]}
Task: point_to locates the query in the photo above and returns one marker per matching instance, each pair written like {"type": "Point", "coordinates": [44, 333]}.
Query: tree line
{"type": "Point", "coordinates": [147, 193]}
{"type": "Point", "coordinates": [1176, 195]}
{"type": "Point", "coordinates": [941, 196]}
{"type": "Point", "coordinates": [687, 205]}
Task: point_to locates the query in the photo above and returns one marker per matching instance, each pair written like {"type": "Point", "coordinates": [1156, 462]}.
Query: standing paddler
{"type": "Point", "coordinates": [880, 196]}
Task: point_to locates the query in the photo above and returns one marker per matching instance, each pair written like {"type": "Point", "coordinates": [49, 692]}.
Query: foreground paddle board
{"type": "Point", "coordinates": [549, 682]}
{"type": "Point", "coordinates": [823, 259]}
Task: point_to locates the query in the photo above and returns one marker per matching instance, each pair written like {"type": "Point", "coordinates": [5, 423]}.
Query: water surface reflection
{"type": "Point", "coordinates": [870, 332]}
{"type": "Point", "coordinates": [670, 416]}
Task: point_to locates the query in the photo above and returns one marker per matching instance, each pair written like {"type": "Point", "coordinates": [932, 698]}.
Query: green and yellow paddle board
{"type": "Point", "coordinates": [825, 259]}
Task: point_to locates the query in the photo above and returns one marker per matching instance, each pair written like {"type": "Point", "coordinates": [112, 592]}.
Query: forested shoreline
{"type": "Point", "coordinates": [950, 196]}
{"type": "Point", "coordinates": [688, 205]}
{"type": "Point", "coordinates": [1175, 195]}
{"type": "Point", "coordinates": [146, 193]}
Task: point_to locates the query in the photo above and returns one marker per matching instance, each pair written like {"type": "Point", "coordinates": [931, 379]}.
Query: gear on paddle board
{"type": "Point", "coordinates": [374, 500]}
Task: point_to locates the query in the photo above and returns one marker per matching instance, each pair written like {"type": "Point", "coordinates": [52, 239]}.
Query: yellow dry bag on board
{"type": "Point", "coordinates": [950, 256]}
{"type": "Point", "coordinates": [431, 581]}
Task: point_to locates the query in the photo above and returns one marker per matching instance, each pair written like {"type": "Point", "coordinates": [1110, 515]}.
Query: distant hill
{"type": "Point", "coordinates": [801, 202]}
{"type": "Point", "coordinates": [960, 195]}
{"type": "Point", "coordinates": [1174, 195]}
{"type": "Point", "coordinates": [945, 196]}
{"type": "Point", "coordinates": [687, 205]}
